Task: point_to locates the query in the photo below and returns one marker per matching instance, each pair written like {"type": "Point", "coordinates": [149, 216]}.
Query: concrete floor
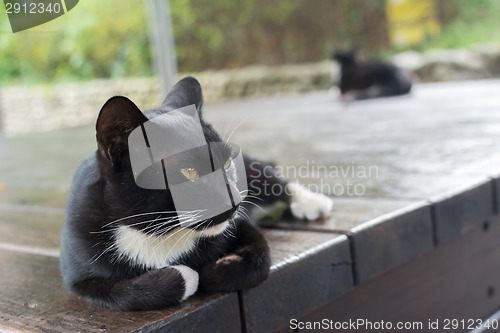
{"type": "Point", "coordinates": [410, 144]}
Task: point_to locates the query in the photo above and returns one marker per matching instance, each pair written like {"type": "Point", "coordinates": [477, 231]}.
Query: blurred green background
{"type": "Point", "coordinates": [109, 39]}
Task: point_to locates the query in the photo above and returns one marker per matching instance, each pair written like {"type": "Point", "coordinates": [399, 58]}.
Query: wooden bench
{"type": "Point", "coordinates": [421, 244]}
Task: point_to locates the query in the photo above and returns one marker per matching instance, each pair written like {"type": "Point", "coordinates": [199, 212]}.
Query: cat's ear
{"type": "Point", "coordinates": [186, 92]}
{"type": "Point", "coordinates": [354, 50]}
{"type": "Point", "coordinates": [117, 118]}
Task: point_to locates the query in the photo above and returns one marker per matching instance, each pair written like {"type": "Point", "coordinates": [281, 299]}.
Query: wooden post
{"type": "Point", "coordinates": [1, 115]}
{"type": "Point", "coordinates": [162, 43]}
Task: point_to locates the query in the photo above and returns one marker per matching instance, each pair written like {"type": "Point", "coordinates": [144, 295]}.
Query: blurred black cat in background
{"type": "Point", "coordinates": [363, 80]}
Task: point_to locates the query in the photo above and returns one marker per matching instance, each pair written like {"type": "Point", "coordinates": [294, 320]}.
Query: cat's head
{"type": "Point", "coordinates": [345, 58]}
{"type": "Point", "coordinates": [171, 161]}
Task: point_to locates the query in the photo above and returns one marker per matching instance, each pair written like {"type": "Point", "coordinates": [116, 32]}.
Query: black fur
{"type": "Point", "coordinates": [104, 190]}
{"type": "Point", "coordinates": [373, 79]}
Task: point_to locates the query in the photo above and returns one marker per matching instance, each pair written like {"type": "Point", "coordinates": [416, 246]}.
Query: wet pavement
{"type": "Point", "coordinates": [385, 162]}
{"type": "Point", "coordinates": [440, 130]}
{"type": "Point", "coordinates": [403, 147]}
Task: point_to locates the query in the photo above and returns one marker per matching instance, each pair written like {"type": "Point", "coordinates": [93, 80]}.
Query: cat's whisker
{"type": "Point", "coordinates": [166, 230]}
{"type": "Point", "coordinates": [230, 124]}
{"type": "Point", "coordinates": [169, 219]}
{"type": "Point", "coordinates": [194, 219]}
{"type": "Point", "coordinates": [249, 193]}
{"type": "Point", "coordinates": [168, 225]}
{"type": "Point", "coordinates": [237, 126]}
{"type": "Point", "coordinates": [175, 213]}
{"type": "Point", "coordinates": [243, 212]}
{"type": "Point", "coordinates": [106, 250]}
{"type": "Point", "coordinates": [135, 224]}
{"type": "Point", "coordinates": [177, 242]}
{"type": "Point", "coordinates": [205, 225]}
{"type": "Point", "coordinates": [252, 197]}
{"type": "Point", "coordinates": [225, 130]}
{"type": "Point", "coordinates": [152, 228]}
{"type": "Point", "coordinates": [168, 233]}
{"type": "Point", "coordinates": [153, 232]}
{"type": "Point", "coordinates": [253, 203]}
{"type": "Point", "coordinates": [229, 230]}
{"type": "Point", "coordinates": [168, 236]}
{"type": "Point", "coordinates": [187, 217]}
{"type": "Point", "coordinates": [134, 216]}
{"type": "Point", "coordinates": [198, 239]}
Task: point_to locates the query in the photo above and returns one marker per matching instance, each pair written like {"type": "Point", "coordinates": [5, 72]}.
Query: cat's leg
{"type": "Point", "coordinates": [361, 94]}
{"type": "Point", "coordinates": [246, 264]}
{"type": "Point", "coordinates": [392, 89]}
{"type": "Point", "coordinates": [399, 84]}
{"type": "Point", "coordinates": [266, 187]}
{"type": "Point", "coordinates": [154, 289]}
{"type": "Point", "coordinates": [403, 82]}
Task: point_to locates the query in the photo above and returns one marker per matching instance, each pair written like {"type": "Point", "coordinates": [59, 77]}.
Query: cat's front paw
{"type": "Point", "coordinates": [191, 280]}
{"type": "Point", "coordinates": [308, 205]}
{"type": "Point", "coordinates": [233, 272]}
{"type": "Point", "coordinates": [222, 275]}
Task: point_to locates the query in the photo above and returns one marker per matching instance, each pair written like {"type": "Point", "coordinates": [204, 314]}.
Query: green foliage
{"type": "Point", "coordinates": [475, 21]}
{"type": "Point", "coordinates": [105, 39]}
{"type": "Point", "coordinates": [95, 39]}
{"type": "Point", "coordinates": [225, 33]}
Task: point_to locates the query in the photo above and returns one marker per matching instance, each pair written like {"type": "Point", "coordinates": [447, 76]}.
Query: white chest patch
{"type": "Point", "coordinates": [152, 251]}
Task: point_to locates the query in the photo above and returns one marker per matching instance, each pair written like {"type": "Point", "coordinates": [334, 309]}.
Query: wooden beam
{"type": "Point", "coordinates": [162, 44]}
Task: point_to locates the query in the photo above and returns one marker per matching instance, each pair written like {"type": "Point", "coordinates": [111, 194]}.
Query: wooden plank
{"type": "Point", "coordinates": [45, 160]}
{"type": "Point", "coordinates": [33, 299]}
{"type": "Point", "coordinates": [491, 324]}
{"type": "Point", "coordinates": [458, 212]}
{"type": "Point", "coordinates": [51, 197]}
{"type": "Point", "coordinates": [391, 240]}
{"type": "Point", "coordinates": [348, 213]}
{"type": "Point", "coordinates": [384, 233]}
{"type": "Point", "coordinates": [35, 227]}
{"type": "Point", "coordinates": [485, 164]}
{"type": "Point", "coordinates": [496, 182]}
{"type": "Point", "coordinates": [47, 306]}
{"type": "Point", "coordinates": [315, 273]}
{"type": "Point", "coordinates": [389, 184]}
{"type": "Point", "coordinates": [458, 280]}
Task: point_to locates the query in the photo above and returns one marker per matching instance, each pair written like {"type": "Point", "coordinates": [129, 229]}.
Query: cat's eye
{"type": "Point", "coordinates": [190, 173]}
{"type": "Point", "coordinates": [227, 165]}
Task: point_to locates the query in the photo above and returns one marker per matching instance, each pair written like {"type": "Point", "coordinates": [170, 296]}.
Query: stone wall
{"type": "Point", "coordinates": [28, 109]}
{"type": "Point", "coordinates": [476, 62]}
{"type": "Point", "coordinates": [41, 108]}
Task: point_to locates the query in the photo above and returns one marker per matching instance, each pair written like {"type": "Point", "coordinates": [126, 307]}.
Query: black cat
{"type": "Point", "coordinates": [127, 247]}
{"type": "Point", "coordinates": [373, 79]}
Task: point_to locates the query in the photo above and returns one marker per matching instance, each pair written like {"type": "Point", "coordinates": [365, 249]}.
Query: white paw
{"type": "Point", "coordinates": [191, 279]}
{"type": "Point", "coordinates": [334, 92]}
{"type": "Point", "coordinates": [308, 205]}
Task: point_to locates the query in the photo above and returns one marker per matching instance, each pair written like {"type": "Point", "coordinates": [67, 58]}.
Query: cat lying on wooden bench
{"type": "Point", "coordinates": [127, 247]}
{"type": "Point", "coordinates": [363, 80]}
